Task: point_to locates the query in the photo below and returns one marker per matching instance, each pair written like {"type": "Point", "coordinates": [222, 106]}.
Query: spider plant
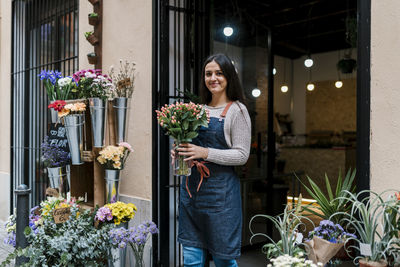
{"type": "Point", "coordinates": [334, 201]}
{"type": "Point", "coordinates": [288, 225]}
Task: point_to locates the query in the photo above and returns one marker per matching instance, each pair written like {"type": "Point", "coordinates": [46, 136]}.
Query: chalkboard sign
{"type": "Point", "coordinates": [58, 136]}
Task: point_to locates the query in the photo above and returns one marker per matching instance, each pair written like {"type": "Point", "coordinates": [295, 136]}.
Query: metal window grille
{"type": "Point", "coordinates": [181, 46]}
{"type": "Point", "coordinates": [44, 36]}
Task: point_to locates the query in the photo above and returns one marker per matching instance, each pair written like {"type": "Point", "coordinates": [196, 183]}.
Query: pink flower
{"type": "Point", "coordinates": [126, 145]}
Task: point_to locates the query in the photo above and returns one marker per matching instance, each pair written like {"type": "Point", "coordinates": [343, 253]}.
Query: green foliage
{"type": "Point", "coordinates": [288, 225]}
{"type": "Point", "coordinates": [373, 225]}
{"type": "Point", "coordinates": [87, 34]}
{"type": "Point", "coordinates": [75, 242]}
{"type": "Point", "coordinates": [335, 201]}
{"type": "Point", "coordinates": [93, 15]}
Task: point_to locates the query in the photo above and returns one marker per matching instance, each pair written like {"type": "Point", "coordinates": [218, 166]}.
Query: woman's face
{"type": "Point", "coordinates": [215, 79]}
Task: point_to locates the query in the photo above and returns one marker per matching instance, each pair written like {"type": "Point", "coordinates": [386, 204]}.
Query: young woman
{"type": "Point", "coordinates": [210, 218]}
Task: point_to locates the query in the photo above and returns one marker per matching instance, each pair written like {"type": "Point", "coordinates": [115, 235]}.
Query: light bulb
{"type": "Point", "coordinates": [256, 92]}
{"type": "Point", "coordinates": [284, 88]}
{"type": "Point", "coordinates": [308, 62]}
{"type": "Point", "coordinates": [274, 71]}
{"type": "Point", "coordinates": [310, 87]}
{"type": "Point", "coordinates": [228, 31]}
{"type": "Point", "coordinates": [338, 84]}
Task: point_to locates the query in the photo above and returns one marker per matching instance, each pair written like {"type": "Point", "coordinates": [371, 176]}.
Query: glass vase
{"type": "Point", "coordinates": [181, 167]}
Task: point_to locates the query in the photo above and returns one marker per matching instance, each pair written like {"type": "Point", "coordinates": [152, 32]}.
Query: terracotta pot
{"type": "Point", "coordinates": [92, 59]}
{"type": "Point", "coordinates": [93, 39]}
{"type": "Point", "coordinates": [93, 20]}
{"type": "Point", "coordinates": [364, 263]}
{"type": "Point", "coordinates": [94, 1]}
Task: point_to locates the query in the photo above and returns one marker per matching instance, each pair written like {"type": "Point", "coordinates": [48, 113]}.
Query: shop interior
{"type": "Point", "coordinates": [314, 92]}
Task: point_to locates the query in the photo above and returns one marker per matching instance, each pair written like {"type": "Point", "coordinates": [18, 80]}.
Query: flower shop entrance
{"type": "Point", "coordinates": [185, 33]}
{"type": "Point", "coordinates": [44, 36]}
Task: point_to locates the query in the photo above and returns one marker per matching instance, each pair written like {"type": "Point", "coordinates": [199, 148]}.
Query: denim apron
{"type": "Point", "coordinates": [212, 217]}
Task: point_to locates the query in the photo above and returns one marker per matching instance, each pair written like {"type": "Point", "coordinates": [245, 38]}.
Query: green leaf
{"type": "Point", "coordinates": [185, 125]}
{"type": "Point", "coordinates": [328, 187]}
{"type": "Point", "coordinates": [191, 135]}
{"type": "Point", "coordinates": [175, 131]}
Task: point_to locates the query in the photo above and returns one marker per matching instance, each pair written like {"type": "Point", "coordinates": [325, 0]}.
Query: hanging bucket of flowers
{"type": "Point", "coordinates": [113, 159]}
{"type": "Point", "coordinates": [121, 107]}
{"type": "Point", "coordinates": [74, 118]}
{"type": "Point", "coordinates": [98, 115]}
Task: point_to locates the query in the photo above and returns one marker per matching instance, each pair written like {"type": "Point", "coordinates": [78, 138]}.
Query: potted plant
{"type": "Point", "coordinates": [347, 64]}
{"type": "Point", "coordinates": [92, 39]}
{"type": "Point", "coordinates": [92, 58]}
{"type": "Point", "coordinates": [369, 217]}
{"type": "Point", "coordinates": [93, 18]}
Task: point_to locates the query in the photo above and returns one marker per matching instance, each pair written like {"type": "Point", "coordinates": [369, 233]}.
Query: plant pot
{"type": "Point", "coordinates": [347, 65]}
{"type": "Point", "coordinates": [112, 185]}
{"type": "Point", "coordinates": [98, 115]}
{"type": "Point", "coordinates": [74, 129]}
{"type": "Point", "coordinates": [121, 106]}
{"type": "Point", "coordinates": [364, 263]}
{"type": "Point", "coordinates": [93, 20]}
{"type": "Point", "coordinates": [94, 2]}
{"type": "Point", "coordinates": [53, 114]}
{"type": "Point", "coordinates": [60, 179]}
{"type": "Point", "coordinates": [181, 167]}
{"type": "Point", "coordinates": [92, 60]}
{"type": "Point", "coordinates": [93, 40]}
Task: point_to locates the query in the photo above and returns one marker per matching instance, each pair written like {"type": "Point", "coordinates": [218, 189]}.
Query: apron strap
{"type": "Point", "coordinates": [223, 114]}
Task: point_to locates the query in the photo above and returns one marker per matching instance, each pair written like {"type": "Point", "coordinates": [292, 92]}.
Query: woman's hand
{"type": "Point", "coordinates": [192, 151]}
{"type": "Point", "coordinates": [173, 154]}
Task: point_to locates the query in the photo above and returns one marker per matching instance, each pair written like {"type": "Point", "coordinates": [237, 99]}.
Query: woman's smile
{"type": "Point", "coordinates": [215, 79]}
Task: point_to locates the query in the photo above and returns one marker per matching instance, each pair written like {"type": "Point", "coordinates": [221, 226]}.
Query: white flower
{"type": "Point", "coordinates": [64, 81]}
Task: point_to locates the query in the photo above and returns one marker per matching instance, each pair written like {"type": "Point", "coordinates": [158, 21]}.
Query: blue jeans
{"type": "Point", "coordinates": [196, 257]}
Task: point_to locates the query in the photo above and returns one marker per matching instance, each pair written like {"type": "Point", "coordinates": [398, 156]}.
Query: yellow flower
{"type": "Point", "coordinates": [117, 165]}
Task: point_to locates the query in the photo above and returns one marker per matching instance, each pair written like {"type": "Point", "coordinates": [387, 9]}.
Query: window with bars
{"type": "Point", "coordinates": [44, 36]}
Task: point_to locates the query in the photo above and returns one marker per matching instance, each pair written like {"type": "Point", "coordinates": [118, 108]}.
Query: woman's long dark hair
{"type": "Point", "coordinates": [234, 90]}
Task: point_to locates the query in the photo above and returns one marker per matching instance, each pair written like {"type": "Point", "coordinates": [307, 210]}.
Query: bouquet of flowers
{"type": "Point", "coordinates": [92, 83]}
{"type": "Point", "coordinates": [326, 240]}
{"type": "Point", "coordinates": [57, 86]}
{"type": "Point", "coordinates": [286, 260]}
{"type": "Point", "coordinates": [53, 154]}
{"type": "Point", "coordinates": [114, 157]}
{"type": "Point", "coordinates": [181, 121]}
{"type": "Point", "coordinates": [136, 237]}
{"type": "Point", "coordinates": [73, 108]}
{"type": "Point", "coordinates": [51, 203]}
{"type": "Point", "coordinates": [124, 79]}
{"type": "Point", "coordinates": [118, 212]}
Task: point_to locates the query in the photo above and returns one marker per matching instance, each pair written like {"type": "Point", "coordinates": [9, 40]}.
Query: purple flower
{"type": "Point", "coordinates": [103, 214]}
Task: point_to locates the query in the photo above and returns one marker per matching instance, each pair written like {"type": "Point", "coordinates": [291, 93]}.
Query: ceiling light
{"type": "Point", "coordinates": [310, 87]}
{"type": "Point", "coordinates": [308, 62]}
{"type": "Point", "coordinates": [274, 71]}
{"type": "Point", "coordinates": [256, 92]}
{"type": "Point", "coordinates": [338, 84]}
{"type": "Point", "coordinates": [228, 31]}
{"type": "Point", "coordinates": [284, 88]}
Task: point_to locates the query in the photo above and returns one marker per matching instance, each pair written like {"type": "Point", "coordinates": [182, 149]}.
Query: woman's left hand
{"type": "Point", "coordinates": [193, 151]}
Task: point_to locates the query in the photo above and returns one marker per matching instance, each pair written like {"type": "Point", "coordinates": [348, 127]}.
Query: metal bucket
{"type": "Point", "coordinates": [60, 178]}
{"type": "Point", "coordinates": [112, 185]}
{"type": "Point", "coordinates": [121, 107]}
{"type": "Point", "coordinates": [98, 115]}
{"type": "Point", "coordinates": [74, 129]}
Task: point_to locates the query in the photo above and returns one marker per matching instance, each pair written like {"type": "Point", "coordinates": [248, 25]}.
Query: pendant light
{"type": "Point", "coordinates": [284, 87]}
{"type": "Point", "coordinates": [310, 86]}
{"type": "Point", "coordinates": [338, 83]}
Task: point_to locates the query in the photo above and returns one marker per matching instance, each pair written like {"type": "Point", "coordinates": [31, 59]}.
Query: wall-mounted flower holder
{"type": "Point", "coordinates": [91, 38]}
{"type": "Point", "coordinates": [93, 19]}
{"type": "Point", "coordinates": [92, 58]}
{"type": "Point", "coordinates": [94, 2]}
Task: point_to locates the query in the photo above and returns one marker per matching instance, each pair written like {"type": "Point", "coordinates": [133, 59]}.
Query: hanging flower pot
{"type": "Point", "coordinates": [74, 130]}
{"type": "Point", "coordinates": [98, 115]}
{"type": "Point", "coordinates": [92, 58]}
{"type": "Point", "coordinates": [112, 185]}
{"type": "Point", "coordinates": [121, 107]}
{"type": "Point", "coordinates": [92, 39]}
{"type": "Point", "coordinates": [94, 2]}
{"type": "Point", "coordinates": [347, 65]}
{"type": "Point", "coordinates": [93, 18]}
{"type": "Point", "coordinates": [60, 179]}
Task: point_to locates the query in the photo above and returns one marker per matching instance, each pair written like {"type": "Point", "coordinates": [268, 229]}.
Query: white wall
{"type": "Point", "coordinates": [5, 100]}
{"type": "Point", "coordinates": [385, 95]}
